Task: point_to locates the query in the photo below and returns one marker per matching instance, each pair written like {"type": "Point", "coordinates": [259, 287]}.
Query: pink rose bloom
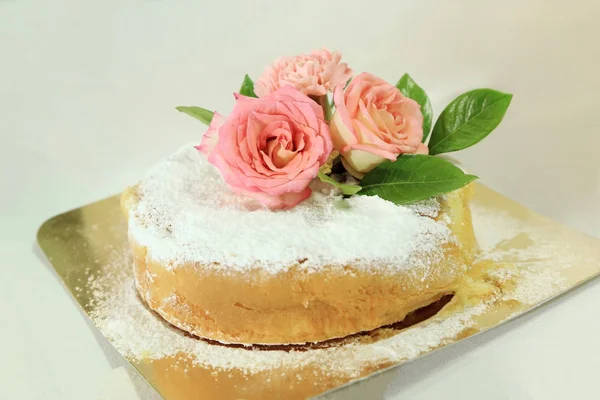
{"type": "Point", "coordinates": [270, 148]}
{"type": "Point", "coordinates": [374, 121]}
{"type": "Point", "coordinates": [313, 74]}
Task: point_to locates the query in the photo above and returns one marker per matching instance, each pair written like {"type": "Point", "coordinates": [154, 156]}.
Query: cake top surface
{"type": "Point", "coordinates": [187, 214]}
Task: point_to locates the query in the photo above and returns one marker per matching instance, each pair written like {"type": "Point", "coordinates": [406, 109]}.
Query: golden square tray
{"type": "Point", "coordinates": [525, 260]}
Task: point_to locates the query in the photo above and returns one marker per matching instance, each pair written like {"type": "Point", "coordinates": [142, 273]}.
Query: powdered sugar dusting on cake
{"type": "Point", "coordinates": [187, 214]}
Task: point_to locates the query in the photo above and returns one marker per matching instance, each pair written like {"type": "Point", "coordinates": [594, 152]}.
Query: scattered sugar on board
{"type": "Point", "coordinates": [138, 333]}
{"type": "Point", "coordinates": [187, 214]}
{"type": "Point", "coordinates": [533, 256]}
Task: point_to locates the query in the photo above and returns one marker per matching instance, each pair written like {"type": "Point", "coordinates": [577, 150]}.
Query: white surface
{"type": "Point", "coordinates": [87, 93]}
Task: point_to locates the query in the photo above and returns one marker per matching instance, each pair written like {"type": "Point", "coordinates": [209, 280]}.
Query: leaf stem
{"type": "Point", "coordinates": [326, 105]}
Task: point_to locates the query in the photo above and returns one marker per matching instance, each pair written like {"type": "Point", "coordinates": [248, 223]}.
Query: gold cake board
{"type": "Point", "coordinates": [79, 243]}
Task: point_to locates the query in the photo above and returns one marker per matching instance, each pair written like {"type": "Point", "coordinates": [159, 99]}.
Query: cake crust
{"type": "Point", "coordinates": [288, 307]}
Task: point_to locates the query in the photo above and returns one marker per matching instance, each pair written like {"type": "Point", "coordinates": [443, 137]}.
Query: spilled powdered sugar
{"type": "Point", "coordinates": [137, 333]}
{"type": "Point", "coordinates": [186, 214]}
{"type": "Point", "coordinates": [531, 256]}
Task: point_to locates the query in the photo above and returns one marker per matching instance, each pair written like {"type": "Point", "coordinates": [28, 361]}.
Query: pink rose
{"type": "Point", "coordinates": [374, 121]}
{"type": "Point", "coordinates": [270, 148]}
{"type": "Point", "coordinates": [313, 74]}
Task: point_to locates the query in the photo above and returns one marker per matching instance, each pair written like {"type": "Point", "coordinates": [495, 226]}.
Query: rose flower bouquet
{"type": "Point", "coordinates": [307, 117]}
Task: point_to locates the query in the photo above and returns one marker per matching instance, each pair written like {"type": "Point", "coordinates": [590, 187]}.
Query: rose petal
{"type": "Point", "coordinates": [211, 136]}
{"type": "Point", "coordinates": [362, 161]}
{"type": "Point", "coordinates": [422, 149]}
{"type": "Point", "coordinates": [283, 202]}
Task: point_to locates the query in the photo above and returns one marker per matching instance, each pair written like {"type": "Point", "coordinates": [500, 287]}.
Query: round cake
{"type": "Point", "coordinates": [221, 266]}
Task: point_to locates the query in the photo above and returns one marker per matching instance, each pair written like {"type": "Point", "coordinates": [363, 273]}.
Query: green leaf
{"type": "Point", "coordinates": [198, 112]}
{"type": "Point", "coordinates": [413, 178]}
{"type": "Point", "coordinates": [247, 88]}
{"type": "Point", "coordinates": [410, 89]}
{"type": "Point", "coordinates": [346, 188]}
{"type": "Point", "coordinates": [468, 119]}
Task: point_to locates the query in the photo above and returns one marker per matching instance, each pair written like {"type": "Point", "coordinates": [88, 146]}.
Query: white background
{"type": "Point", "coordinates": [87, 97]}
